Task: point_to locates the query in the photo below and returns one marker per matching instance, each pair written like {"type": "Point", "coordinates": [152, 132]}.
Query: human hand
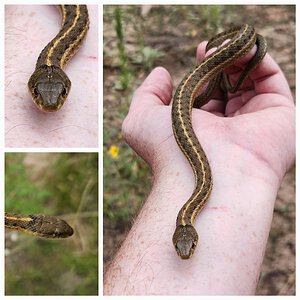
{"type": "Point", "coordinates": [250, 143]}
{"type": "Point", "coordinates": [259, 123]}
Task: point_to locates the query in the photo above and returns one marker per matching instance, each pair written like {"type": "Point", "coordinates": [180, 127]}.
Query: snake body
{"type": "Point", "coordinates": [39, 225]}
{"type": "Point", "coordinates": [207, 73]}
{"type": "Point", "coordinates": [49, 85]}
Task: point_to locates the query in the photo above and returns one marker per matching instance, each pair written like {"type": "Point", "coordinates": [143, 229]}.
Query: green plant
{"type": "Point", "coordinates": [125, 74]}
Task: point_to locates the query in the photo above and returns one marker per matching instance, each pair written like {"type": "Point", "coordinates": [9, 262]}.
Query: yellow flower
{"type": "Point", "coordinates": [114, 151]}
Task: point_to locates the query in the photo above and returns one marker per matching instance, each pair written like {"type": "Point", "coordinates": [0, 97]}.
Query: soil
{"type": "Point", "coordinates": [277, 24]}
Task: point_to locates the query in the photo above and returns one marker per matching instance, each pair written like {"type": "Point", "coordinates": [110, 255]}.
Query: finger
{"type": "Point", "coordinates": [155, 90]}
{"type": "Point", "coordinates": [201, 52]}
{"type": "Point", "coordinates": [267, 76]}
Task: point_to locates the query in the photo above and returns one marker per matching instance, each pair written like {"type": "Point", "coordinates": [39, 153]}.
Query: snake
{"type": "Point", "coordinates": [208, 76]}
{"type": "Point", "coordinates": [49, 85]}
{"type": "Point", "coordinates": [40, 225]}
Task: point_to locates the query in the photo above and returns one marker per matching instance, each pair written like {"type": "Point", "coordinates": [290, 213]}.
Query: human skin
{"type": "Point", "coordinates": [250, 144]}
{"type": "Point", "coordinates": [28, 29]}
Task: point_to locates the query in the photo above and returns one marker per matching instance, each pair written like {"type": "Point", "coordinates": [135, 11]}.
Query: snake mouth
{"type": "Point", "coordinates": [48, 108]}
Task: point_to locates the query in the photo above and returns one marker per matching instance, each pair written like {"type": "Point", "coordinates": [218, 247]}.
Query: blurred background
{"type": "Point", "coordinates": [63, 185]}
{"type": "Point", "coordinates": [139, 38]}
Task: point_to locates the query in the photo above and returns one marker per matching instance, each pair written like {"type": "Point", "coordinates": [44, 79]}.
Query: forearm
{"type": "Point", "coordinates": [233, 229]}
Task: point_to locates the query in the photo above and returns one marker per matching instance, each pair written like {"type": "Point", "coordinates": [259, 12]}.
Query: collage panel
{"type": "Point", "coordinates": [51, 76]}
{"type": "Point", "coordinates": [51, 221]}
{"type": "Point", "coordinates": [198, 143]}
{"type": "Point", "coordinates": [237, 191]}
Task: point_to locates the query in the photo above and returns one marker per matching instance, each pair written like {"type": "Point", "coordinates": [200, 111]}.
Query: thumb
{"type": "Point", "coordinates": [155, 90]}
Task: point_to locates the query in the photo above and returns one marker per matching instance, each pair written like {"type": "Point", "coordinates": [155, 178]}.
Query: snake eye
{"type": "Point", "coordinates": [64, 93]}
{"type": "Point", "coordinates": [35, 92]}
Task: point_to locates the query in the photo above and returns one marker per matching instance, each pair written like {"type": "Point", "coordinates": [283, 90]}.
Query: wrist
{"type": "Point", "coordinates": [234, 225]}
{"type": "Point", "coordinates": [232, 228]}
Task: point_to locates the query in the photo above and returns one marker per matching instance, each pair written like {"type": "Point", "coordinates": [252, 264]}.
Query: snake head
{"type": "Point", "coordinates": [185, 239]}
{"type": "Point", "coordinates": [49, 87]}
{"type": "Point", "coordinates": [63, 229]}
{"type": "Point", "coordinates": [50, 227]}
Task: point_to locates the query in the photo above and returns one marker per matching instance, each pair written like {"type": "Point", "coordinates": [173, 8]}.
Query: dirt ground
{"type": "Point", "coordinates": [277, 24]}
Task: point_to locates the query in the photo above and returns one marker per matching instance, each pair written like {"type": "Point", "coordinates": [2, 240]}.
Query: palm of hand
{"type": "Point", "coordinates": [259, 120]}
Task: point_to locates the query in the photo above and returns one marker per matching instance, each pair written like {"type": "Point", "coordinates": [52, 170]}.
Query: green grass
{"type": "Point", "coordinates": [123, 197]}
{"type": "Point", "coordinates": [125, 74]}
{"type": "Point", "coordinates": [64, 185]}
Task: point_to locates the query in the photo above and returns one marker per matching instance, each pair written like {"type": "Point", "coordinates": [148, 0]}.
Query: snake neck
{"type": "Point", "coordinates": [75, 24]}
{"type": "Point", "coordinates": [196, 202]}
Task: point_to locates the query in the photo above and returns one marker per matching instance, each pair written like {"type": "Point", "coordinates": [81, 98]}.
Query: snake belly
{"type": "Point", "coordinates": [208, 72]}
{"type": "Point", "coordinates": [49, 85]}
{"type": "Point", "coordinates": [39, 225]}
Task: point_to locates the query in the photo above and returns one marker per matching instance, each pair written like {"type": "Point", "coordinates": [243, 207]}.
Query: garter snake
{"type": "Point", "coordinates": [208, 73]}
{"type": "Point", "coordinates": [49, 85]}
{"type": "Point", "coordinates": [39, 225]}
